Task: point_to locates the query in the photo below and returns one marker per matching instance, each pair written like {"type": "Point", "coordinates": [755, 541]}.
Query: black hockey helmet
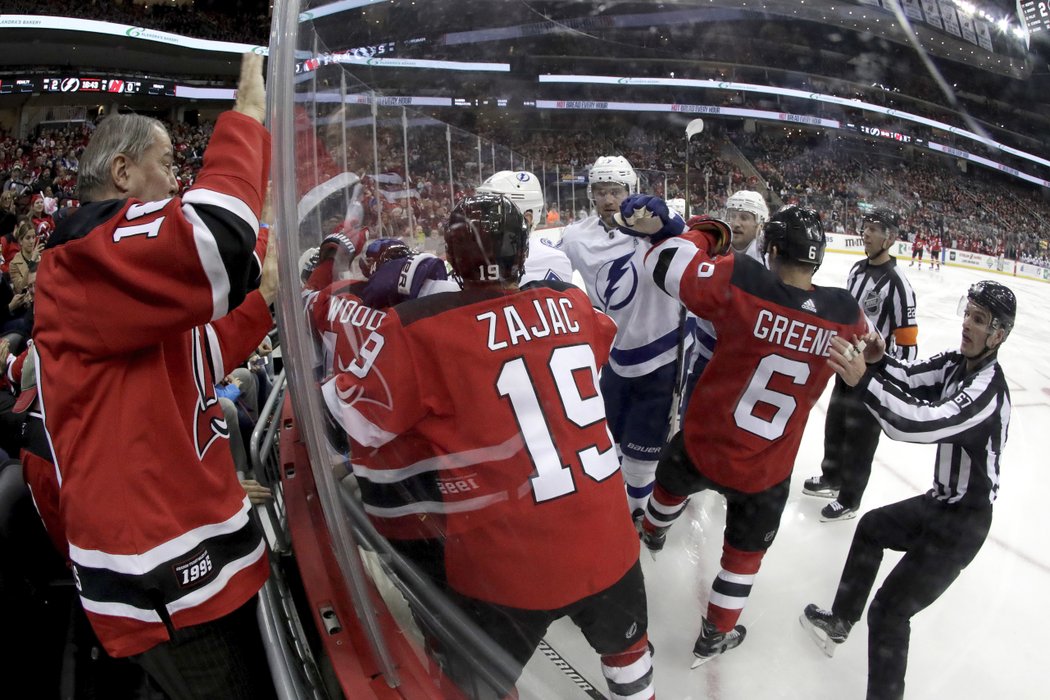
{"type": "Point", "coordinates": [378, 252]}
{"type": "Point", "coordinates": [797, 234]}
{"type": "Point", "coordinates": [886, 218]}
{"type": "Point", "coordinates": [999, 301]}
{"type": "Point", "coordinates": [487, 239]}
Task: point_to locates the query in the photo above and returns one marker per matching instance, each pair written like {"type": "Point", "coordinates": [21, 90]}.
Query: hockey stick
{"type": "Point", "coordinates": [575, 676]}
{"type": "Point", "coordinates": [680, 374]}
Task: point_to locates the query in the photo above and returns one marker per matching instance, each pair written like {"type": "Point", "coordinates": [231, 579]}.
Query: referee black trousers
{"type": "Point", "coordinates": [938, 541]}
{"type": "Point", "coordinates": [851, 435]}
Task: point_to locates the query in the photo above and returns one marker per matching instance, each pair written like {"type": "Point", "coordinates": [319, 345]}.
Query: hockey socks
{"type": "Point", "coordinates": [663, 509]}
{"type": "Point", "coordinates": [732, 586]}
{"type": "Point", "coordinates": [640, 477]}
{"type": "Point", "coordinates": [630, 673]}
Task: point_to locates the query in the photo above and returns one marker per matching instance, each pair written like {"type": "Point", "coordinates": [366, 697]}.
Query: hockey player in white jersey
{"type": "Point", "coordinates": [746, 214]}
{"type": "Point", "coordinates": [545, 261]}
{"type": "Point", "coordinates": [639, 381]}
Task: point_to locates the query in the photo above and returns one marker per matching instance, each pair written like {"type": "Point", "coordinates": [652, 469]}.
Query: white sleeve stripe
{"type": "Point", "coordinates": [442, 507]}
{"type": "Point", "coordinates": [235, 206]}
{"type": "Point", "coordinates": [136, 564]}
{"type": "Point", "coordinates": [457, 460]}
{"type": "Point", "coordinates": [350, 419]}
{"type": "Point", "coordinates": [211, 338]}
{"type": "Point", "coordinates": [682, 254]}
{"type": "Point", "coordinates": [211, 261]}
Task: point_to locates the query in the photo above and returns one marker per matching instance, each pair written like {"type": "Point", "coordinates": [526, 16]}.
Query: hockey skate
{"type": "Point", "coordinates": [654, 541]}
{"type": "Point", "coordinates": [826, 629]}
{"type": "Point", "coordinates": [836, 512]}
{"type": "Point", "coordinates": [712, 643]}
{"type": "Point", "coordinates": [817, 486]}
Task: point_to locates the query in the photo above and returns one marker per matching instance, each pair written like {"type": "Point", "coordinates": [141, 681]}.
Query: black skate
{"type": "Point", "coordinates": [818, 487]}
{"type": "Point", "coordinates": [712, 643]}
{"type": "Point", "coordinates": [826, 628]}
{"type": "Point", "coordinates": [654, 541]}
{"type": "Point", "coordinates": [836, 512]}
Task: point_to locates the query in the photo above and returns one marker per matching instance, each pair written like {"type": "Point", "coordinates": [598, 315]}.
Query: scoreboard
{"type": "Point", "coordinates": [1035, 14]}
{"type": "Point", "coordinates": [123, 86]}
{"type": "Point", "coordinates": [72, 84]}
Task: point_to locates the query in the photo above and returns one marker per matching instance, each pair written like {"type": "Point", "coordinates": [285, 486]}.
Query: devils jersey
{"type": "Point", "coordinates": [503, 386]}
{"type": "Point", "coordinates": [157, 523]}
{"type": "Point", "coordinates": [747, 414]}
{"type": "Point", "coordinates": [647, 320]}
{"type": "Point", "coordinates": [341, 321]}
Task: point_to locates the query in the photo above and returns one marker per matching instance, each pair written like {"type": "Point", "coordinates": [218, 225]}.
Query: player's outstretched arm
{"type": "Point", "coordinates": [646, 216]}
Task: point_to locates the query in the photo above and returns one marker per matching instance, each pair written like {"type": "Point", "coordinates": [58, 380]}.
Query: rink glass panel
{"type": "Point", "coordinates": [387, 113]}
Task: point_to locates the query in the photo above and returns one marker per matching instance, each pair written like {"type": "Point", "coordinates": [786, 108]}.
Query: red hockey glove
{"type": "Point", "coordinates": [717, 232]}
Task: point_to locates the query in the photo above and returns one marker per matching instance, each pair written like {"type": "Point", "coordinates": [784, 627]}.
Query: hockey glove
{"type": "Point", "coordinates": [398, 280]}
{"type": "Point", "coordinates": [717, 232]}
{"type": "Point", "coordinates": [348, 239]}
{"type": "Point", "coordinates": [646, 216]}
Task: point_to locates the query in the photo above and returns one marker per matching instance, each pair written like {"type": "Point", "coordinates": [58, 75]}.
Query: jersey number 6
{"type": "Point", "coordinates": [758, 391]}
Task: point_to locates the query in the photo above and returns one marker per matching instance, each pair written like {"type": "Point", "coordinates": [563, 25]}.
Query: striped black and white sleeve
{"type": "Point", "coordinates": [949, 419]}
{"type": "Point", "coordinates": [224, 231]}
{"type": "Point", "coordinates": [903, 319]}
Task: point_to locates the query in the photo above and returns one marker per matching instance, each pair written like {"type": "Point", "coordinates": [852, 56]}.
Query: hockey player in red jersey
{"type": "Point", "coordinates": [537, 524]}
{"type": "Point", "coordinates": [166, 558]}
{"type": "Point", "coordinates": [746, 418]}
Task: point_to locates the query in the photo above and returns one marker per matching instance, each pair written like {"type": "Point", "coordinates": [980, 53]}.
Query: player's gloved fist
{"type": "Point", "coordinates": [646, 216]}
{"type": "Point", "coordinates": [348, 239]}
{"type": "Point", "coordinates": [717, 232]}
{"type": "Point", "coordinates": [401, 279]}
{"type": "Point", "coordinates": [420, 268]}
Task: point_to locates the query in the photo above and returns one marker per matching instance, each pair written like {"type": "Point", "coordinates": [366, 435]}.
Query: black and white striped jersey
{"type": "Point", "coordinates": [965, 414]}
{"type": "Point", "coordinates": [888, 301]}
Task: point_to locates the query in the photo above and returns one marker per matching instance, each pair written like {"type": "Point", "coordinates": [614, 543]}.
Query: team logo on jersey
{"type": "Point", "coordinates": [208, 427]}
{"type": "Point", "coordinates": [616, 283]}
{"type": "Point", "coordinates": [871, 303]}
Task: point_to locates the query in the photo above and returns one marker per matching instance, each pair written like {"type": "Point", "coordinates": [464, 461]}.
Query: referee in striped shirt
{"type": "Point", "coordinates": [960, 401]}
{"type": "Point", "coordinates": [851, 434]}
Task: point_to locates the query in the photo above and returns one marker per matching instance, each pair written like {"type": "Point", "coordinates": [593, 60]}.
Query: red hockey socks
{"type": "Point", "coordinates": [732, 586]}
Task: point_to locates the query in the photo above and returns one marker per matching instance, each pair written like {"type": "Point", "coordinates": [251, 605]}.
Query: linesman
{"type": "Point", "coordinates": [960, 401]}
{"type": "Point", "coordinates": [851, 433]}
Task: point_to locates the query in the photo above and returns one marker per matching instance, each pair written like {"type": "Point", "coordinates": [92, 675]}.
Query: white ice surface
{"type": "Point", "coordinates": [983, 639]}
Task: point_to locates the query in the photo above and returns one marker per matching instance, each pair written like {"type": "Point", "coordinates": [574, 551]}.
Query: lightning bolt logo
{"type": "Point", "coordinates": [620, 282]}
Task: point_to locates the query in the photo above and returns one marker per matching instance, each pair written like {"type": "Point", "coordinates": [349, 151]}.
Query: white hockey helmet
{"type": "Point", "coordinates": [612, 169]}
{"type": "Point", "coordinates": [677, 205]}
{"type": "Point", "coordinates": [749, 201]}
{"type": "Point", "coordinates": [521, 187]}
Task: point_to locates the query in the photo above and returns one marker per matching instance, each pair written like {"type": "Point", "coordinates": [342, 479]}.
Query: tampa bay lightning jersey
{"type": "Point", "coordinates": [546, 262]}
{"type": "Point", "coordinates": [647, 319]}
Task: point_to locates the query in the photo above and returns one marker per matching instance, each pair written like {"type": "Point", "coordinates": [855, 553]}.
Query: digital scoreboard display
{"type": "Point", "coordinates": [1035, 14]}
{"type": "Point", "coordinates": [123, 86]}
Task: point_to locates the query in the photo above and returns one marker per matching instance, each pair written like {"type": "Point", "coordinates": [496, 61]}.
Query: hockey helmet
{"type": "Point", "coordinates": [677, 205]}
{"type": "Point", "coordinates": [998, 299]}
{"type": "Point", "coordinates": [521, 187]}
{"type": "Point", "coordinates": [886, 218]}
{"type": "Point", "coordinates": [797, 234]}
{"type": "Point", "coordinates": [486, 239]}
{"type": "Point", "coordinates": [612, 169]}
{"type": "Point", "coordinates": [749, 201]}
{"type": "Point", "coordinates": [378, 252]}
